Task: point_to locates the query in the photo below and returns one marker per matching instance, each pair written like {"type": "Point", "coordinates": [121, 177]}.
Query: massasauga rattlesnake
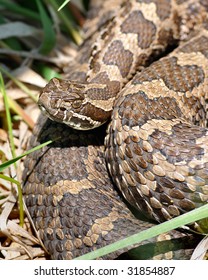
{"type": "Point", "coordinates": [156, 148]}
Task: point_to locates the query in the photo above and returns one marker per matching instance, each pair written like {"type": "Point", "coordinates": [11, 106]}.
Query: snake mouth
{"type": "Point", "coordinates": [71, 119]}
{"type": "Point", "coordinates": [80, 122]}
{"type": "Point", "coordinates": [48, 114]}
{"type": "Point", "coordinates": [44, 103]}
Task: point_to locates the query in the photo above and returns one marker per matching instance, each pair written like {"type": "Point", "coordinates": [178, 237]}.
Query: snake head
{"type": "Point", "coordinates": [67, 102]}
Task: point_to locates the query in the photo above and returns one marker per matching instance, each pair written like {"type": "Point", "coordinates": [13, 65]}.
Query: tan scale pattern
{"type": "Point", "coordinates": [73, 216]}
{"type": "Point", "coordinates": [71, 220]}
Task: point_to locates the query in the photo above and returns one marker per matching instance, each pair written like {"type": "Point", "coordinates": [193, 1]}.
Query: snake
{"type": "Point", "coordinates": [129, 121]}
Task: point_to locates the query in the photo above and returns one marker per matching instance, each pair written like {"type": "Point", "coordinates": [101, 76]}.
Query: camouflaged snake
{"type": "Point", "coordinates": [156, 146]}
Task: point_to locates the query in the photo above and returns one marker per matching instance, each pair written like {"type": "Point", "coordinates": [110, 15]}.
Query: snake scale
{"type": "Point", "coordinates": [144, 65]}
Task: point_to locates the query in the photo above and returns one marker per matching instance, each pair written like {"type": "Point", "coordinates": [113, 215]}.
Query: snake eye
{"type": "Point", "coordinates": [76, 104]}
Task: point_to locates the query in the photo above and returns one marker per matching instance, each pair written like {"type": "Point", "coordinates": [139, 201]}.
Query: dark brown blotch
{"type": "Point", "coordinates": [163, 7]}
{"type": "Point", "coordinates": [136, 109]}
{"type": "Point", "coordinates": [94, 63]}
{"type": "Point", "coordinates": [137, 24]}
{"type": "Point", "coordinates": [196, 45]}
{"type": "Point", "coordinates": [111, 89]}
{"type": "Point", "coordinates": [176, 77]}
{"type": "Point", "coordinates": [117, 55]}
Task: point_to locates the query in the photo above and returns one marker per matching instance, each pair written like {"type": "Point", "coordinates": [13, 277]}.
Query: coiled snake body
{"type": "Point", "coordinates": [156, 146]}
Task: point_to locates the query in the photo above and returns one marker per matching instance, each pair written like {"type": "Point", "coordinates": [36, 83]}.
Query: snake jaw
{"type": "Point", "coordinates": [81, 122]}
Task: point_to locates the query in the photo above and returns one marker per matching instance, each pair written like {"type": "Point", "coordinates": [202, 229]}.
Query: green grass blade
{"type": "Point", "coordinates": [15, 107]}
{"type": "Point", "coordinates": [8, 116]}
{"type": "Point", "coordinates": [12, 161]}
{"type": "Point", "coordinates": [67, 23]}
{"type": "Point", "coordinates": [12, 104]}
{"type": "Point", "coordinates": [49, 39]}
{"type": "Point", "coordinates": [11, 141]}
{"type": "Point", "coordinates": [4, 177]}
{"type": "Point", "coordinates": [20, 198]}
{"type": "Point", "coordinates": [63, 5]}
{"type": "Point", "coordinates": [186, 218]}
{"type": "Point", "coordinates": [47, 72]}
